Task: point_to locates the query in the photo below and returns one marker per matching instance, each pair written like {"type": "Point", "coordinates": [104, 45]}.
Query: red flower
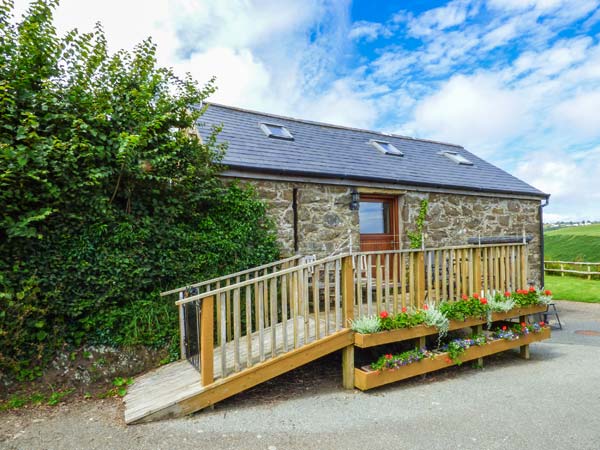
{"type": "Point", "coordinates": [503, 327]}
{"type": "Point", "coordinates": [507, 294]}
{"type": "Point", "coordinates": [425, 307]}
{"type": "Point", "coordinates": [388, 356]}
{"type": "Point", "coordinates": [542, 323]}
{"type": "Point", "coordinates": [531, 289]}
{"type": "Point", "coordinates": [464, 297]}
{"type": "Point", "coordinates": [523, 324]}
{"type": "Point", "coordinates": [404, 309]}
{"type": "Point", "coordinates": [475, 295]}
{"type": "Point", "coordinates": [547, 292]}
{"type": "Point", "coordinates": [483, 301]}
{"type": "Point", "coordinates": [383, 314]}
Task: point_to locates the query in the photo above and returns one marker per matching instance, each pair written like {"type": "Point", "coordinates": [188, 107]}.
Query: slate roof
{"type": "Point", "coordinates": [323, 150]}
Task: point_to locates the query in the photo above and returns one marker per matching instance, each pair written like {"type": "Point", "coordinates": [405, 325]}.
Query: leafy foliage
{"type": "Point", "coordinates": [107, 195]}
{"type": "Point", "coordinates": [416, 237]}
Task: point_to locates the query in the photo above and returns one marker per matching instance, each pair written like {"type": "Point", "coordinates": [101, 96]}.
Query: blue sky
{"type": "Point", "coordinates": [514, 81]}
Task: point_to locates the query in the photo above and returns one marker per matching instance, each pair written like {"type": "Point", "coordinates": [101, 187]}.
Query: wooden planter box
{"type": "Point", "coordinates": [403, 334]}
{"type": "Point", "coordinates": [365, 378]}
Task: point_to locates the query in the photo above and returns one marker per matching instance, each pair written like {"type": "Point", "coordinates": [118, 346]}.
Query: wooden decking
{"type": "Point", "coordinates": [169, 391]}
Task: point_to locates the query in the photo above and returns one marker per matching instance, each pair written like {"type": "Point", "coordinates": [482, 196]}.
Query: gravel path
{"type": "Point", "coordinates": [551, 401]}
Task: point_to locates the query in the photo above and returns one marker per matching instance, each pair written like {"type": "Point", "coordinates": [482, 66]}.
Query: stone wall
{"type": "Point", "coordinates": [325, 218]}
{"type": "Point", "coordinates": [453, 219]}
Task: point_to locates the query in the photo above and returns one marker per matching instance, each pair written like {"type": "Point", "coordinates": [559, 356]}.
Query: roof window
{"type": "Point", "coordinates": [386, 148]}
{"type": "Point", "coordinates": [276, 131]}
{"type": "Point", "coordinates": [458, 159]}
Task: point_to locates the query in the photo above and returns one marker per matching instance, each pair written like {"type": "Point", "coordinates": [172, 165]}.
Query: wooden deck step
{"type": "Point", "coordinates": [175, 389]}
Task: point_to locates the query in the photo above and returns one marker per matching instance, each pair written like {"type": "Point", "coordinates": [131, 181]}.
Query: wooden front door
{"type": "Point", "coordinates": [378, 220]}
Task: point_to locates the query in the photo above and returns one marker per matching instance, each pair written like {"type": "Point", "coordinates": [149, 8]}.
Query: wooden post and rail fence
{"type": "Point", "coordinates": [258, 316]}
{"type": "Point", "coordinates": [589, 270]}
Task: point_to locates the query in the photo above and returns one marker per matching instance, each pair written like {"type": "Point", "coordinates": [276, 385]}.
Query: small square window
{"type": "Point", "coordinates": [276, 131]}
{"type": "Point", "coordinates": [386, 148]}
{"type": "Point", "coordinates": [458, 159]}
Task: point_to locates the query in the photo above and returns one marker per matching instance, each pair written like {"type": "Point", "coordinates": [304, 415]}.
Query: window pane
{"type": "Point", "coordinates": [374, 217]}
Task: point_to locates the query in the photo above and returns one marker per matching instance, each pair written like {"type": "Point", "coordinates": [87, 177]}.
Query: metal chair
{"type": "Point", "coordinates": [552, 312]}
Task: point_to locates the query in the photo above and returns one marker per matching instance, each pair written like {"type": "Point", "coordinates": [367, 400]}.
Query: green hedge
{"type": "Point", "coordinates": [106, 196]}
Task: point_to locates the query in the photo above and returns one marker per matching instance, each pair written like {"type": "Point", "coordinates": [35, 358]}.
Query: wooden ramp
{"type": "Point", "coordinates": [175, 389]}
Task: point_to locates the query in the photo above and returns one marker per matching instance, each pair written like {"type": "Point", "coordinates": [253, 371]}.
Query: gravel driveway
{"type": "Point", "coordinates": [549, 402]}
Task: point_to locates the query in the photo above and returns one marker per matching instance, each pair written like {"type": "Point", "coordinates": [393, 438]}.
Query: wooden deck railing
{"type": "Point", "coordinates": [272, 314]}
{"type": "Point", "coordinates": [261, 316]}
{"type": "Point", "coordinates": [391, 280]}
{"type": "Point", "coordinates": [592, 269]}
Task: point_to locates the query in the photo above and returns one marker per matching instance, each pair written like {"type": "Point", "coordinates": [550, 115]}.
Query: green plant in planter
{"type": "Point", "coordinates": [436, 318]}
{"type": "Point", "coordinates": [456, 347]}
{"type": "Point", "coordinates": [474, 306]}
{"type": "Point", "coordinates": [389, 361]}
{"type": "Point", "coordinates": [366, 324]}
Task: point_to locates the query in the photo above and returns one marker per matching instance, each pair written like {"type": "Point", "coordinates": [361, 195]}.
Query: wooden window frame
{"type": "Point", "coordinates": [393, 235]}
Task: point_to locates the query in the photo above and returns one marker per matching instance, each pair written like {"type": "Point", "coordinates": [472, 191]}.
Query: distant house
{"type": "Point", "coordinates": [328, 186]}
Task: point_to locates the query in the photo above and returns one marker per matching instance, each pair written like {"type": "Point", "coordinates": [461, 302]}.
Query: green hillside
{"type": "Point", "coordinates": [573, 244]}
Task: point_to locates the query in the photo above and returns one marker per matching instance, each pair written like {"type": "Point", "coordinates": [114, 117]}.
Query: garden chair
{"type": "Point", "coordinates": [551, 312]}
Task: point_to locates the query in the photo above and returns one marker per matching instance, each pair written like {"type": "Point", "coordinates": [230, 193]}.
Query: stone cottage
{"type": "Point", "coordinates": [329, 186]}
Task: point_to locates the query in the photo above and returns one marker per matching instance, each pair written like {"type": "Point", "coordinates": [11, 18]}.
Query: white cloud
{"type": "Point", "coordinates": [477, 112]}
{"type": "Point", "coordinates": [579, 115]}
{"type": "Point", "coordinates": [369, 31]}
{"type": "Point", "coordinates": [455, 13]}
{"type": "Point", "coordinates": [571, 178]}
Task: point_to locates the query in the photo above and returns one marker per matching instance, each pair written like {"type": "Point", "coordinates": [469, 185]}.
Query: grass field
{"type": "Point", "coordinates": [571, 288]}
{"type": "Point", "coordinates": [573, 244]}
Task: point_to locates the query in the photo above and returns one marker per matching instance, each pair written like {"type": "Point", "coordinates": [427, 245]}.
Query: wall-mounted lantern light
{"type": "Point", "coordinates": [354, 205]}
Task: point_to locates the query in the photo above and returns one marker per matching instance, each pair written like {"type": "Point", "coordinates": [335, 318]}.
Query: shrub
{"type": "Point", "coordinates": [107, 196]}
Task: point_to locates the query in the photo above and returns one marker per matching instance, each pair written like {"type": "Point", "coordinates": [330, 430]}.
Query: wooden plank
{"type": "Point", "coordinates": [284, 309]}
{"type": "Point", "coordinates": [315, 298]}
{"type": "Point", "coordinates": [451, 271]}
{"type": "Point", "coordinates": [502, 264]}
{"type": "Point", "coordinates": [395, 281]}
{"type": "Point", "coordinates": [445, 288]}
{"type": "Point", "coordinates": [294, 306]}
{"type": "Point", "coordinates": [496, 260]}
{"type": "Point", "coordinates": [348, 367]}
{"type": "Point", "coordinates": [181, 331]}
{"type": "Point", "coordinates": [485, 271]}
{"type": "Point", "coordinates": [402, 279]}
{"type": "Point", "coordinates": [223, 320]}
{"type": "Point", "coordinates": [256, 300]}
{"type": "Point", "coordinates": [464, 272]}
{"type": "Point", "coordinates": [347, 291]}
{"type": "Point", "coordinates": [218, 315]}
{"type": "Point", "coordinates": [228, 308]}
{"type": "Point", "coordinates": [471, 263]}
{"type": "Point", "coordinates": [420, 278]}
{"type": "Point", "coordinates": [248, 326]}
{"type": "Point", "coordinates": [248, 378]}
{"type": "Point", "coordinates": [378, 282]}
{"type": "Point", "coordinates": [237, 330]}
{"type": "Point", "coordinates": [326, 302]}
{"type": "Point", "coordinates": [368, 380]}
{"type": "Point", "coordinates": [386, 271]}
{"type": "Point", "coordinates": [266, 299]}
{"type": "Point", "coordinates": [359, 297]}
{"type": "Point", "coordinates": [273, 310]}
{"type": "Point", "coordinates": [436, 274]}
{"type": "Point", "coordinates": [428, 268]}
{"type": "Point", "coordinates": [306, 304]}
{"type": "Point", "coordinates": [412, 297]}
{"type": "Point", "coordinates": [261, 322]}
{"type": "Point", "coordinates": [337, 295]}
{"type": "Point", "coordinates": [524, 266]}
{"type": "Point", "coordinates": [207, 341]}
{"type": "Point", "coordinates": [476, 264]}
{"type": "Point", "coordinates": [369, 285]}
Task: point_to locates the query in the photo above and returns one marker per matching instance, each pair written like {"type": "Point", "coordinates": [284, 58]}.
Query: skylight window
{"type": "Point", "coordinates": [386, 148]}
{"type": "Point", "coordinates": [276, 131]}
{"type": "Point", "coordinates": [458, 159]}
